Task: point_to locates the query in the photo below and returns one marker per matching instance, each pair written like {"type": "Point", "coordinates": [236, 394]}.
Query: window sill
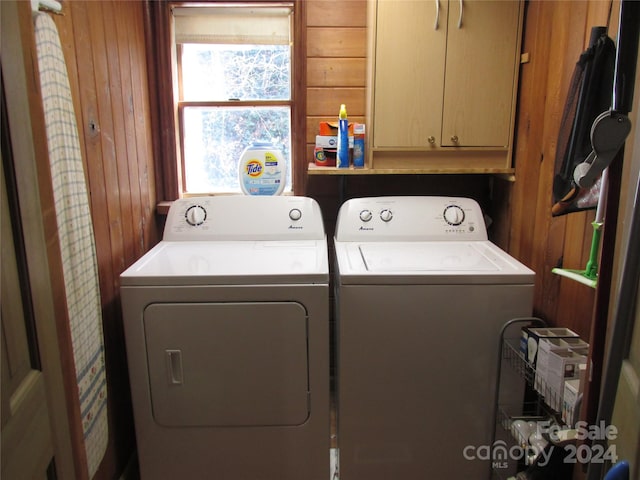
{"type": "Point", "coordinates": [162, 208]}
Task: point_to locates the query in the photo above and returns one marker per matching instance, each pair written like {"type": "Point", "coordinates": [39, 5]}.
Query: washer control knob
{"type": "Point", "coordinates": [295, 214]}
{"type": "Point", "coordinates": [195, 215]}
{"type": "Point", "coordinates": [366, 215]}
{"type": "Point", "coordinates": [386, 215]}
{"type": "Point", "coordinates": [454, 215]}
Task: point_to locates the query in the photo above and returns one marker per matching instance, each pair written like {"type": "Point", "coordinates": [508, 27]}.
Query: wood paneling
{"type": "Point", "coordinates": [104, 48]}
{"type": "Point", "coordinates": [323, 101]}
{"type": "Point", "coordinates": [336, 42]}
{"type": "Point", "coordinates": [322, 13]}
{"type": "Point", "coordinates": [335, 72]}
{"type": "Point", "coordinates": [555, 35]}
{"type": "Point", "coordinates": [336, 62]}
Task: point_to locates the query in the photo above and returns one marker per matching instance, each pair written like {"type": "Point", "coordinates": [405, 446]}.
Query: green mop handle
{"type": "Point", "coordinates": [591, 270]}
{"type": "Point", "coordinates": [592, 265]}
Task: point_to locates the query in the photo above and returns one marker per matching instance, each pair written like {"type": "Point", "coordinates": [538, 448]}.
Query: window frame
{"type": "Point", "coordinates": [164, 107]}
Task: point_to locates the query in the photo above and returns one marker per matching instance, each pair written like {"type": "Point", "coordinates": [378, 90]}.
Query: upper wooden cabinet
{"type": "Point", "coordinates": [443, 83]}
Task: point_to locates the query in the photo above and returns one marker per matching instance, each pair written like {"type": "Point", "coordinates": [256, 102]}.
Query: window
{"type": "Point", "coordinates": [233, 77]}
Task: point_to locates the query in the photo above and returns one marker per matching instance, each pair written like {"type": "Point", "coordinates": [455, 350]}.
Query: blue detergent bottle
{"type": "Point", "coordinates": [342, 156]}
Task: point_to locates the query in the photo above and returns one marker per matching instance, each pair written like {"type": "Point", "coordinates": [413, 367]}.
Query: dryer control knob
{"type": "Point", "coordinates": [454, 215]}
{"type": "Point", "coordinates": [195, 215]}
{"type": "Point", "coordinates": [295, 214]}
{"type": "Point", "coordinates": [386, 215]}
{"type": "Point", "coordinates": [366, 215]}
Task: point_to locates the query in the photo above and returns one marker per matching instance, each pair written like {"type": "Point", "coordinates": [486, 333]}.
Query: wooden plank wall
{"type": "Point", "coordinates": [555, 35]}
{"type": "Point", "coordinates": [336, 73]}
{"type": "Point", "coordinates": [336, 62]}
{"type": "Point", "coordinates": [104, 47]}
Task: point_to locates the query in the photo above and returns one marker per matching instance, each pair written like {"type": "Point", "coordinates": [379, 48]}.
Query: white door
{"type": "Point", "coordinates": [626, 414]}
{"type": "Point", "coordinates": [27, 443]}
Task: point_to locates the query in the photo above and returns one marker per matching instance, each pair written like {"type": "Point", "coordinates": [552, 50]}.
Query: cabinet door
{"type": "Point", "coordinates": [409, 72]}
{"type": "Point", "coordinates": [480, 71]}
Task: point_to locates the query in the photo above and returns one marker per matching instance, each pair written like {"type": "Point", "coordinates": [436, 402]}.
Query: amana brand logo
{"type": "Point", "coordinates": [366, 228]}
{"type": "Point", "coordinates": [254, 168]}
{"type": "Point", "coordinates": [295, 227]}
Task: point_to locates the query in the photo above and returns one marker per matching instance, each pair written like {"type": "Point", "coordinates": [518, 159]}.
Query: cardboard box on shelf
{"type": "Point", "coordinates": [562, 366]}
{"type": "Point", "coordinates": [331, 142]}
{"type": "Point", "coordinates": [326, 141]}
{"type": "Point", "coordinates": [570, 401]}
{"type": "Point", "coordinates": [545, 346]}
{"type": "Point", "coordinates": [531, 338]}
{"type": "Point", "coordinates": [553, 344]}
{"type": "Point", "coordinates": [326, 148]}
{"type": "Point", "coordinates": [324, 157]}
{"type": "Point", "coordinates": [331, 128]}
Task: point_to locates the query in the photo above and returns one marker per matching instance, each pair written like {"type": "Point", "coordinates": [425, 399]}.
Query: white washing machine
{"type": "Point", "coordinates": [421, 296]}
{"type": "Point", "coordinates": [227, 333]}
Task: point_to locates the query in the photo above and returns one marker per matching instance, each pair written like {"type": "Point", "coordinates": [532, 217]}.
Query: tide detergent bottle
{"type": "Point", "coordinates": [262, 170]}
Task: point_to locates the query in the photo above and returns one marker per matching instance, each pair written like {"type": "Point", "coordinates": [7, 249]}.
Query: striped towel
{"type": "Point", "coordinates": [77, 244]}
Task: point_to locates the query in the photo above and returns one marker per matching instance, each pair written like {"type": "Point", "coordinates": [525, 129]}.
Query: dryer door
{"type": "Point", "coordinates": [227, 364]}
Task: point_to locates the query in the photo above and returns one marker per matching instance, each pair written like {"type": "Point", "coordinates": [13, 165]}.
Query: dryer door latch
{"type": "Point", "coordinates": [174, 366]}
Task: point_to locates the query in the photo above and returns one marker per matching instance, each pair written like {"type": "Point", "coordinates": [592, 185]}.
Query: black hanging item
{"type": "Point", "coordinates": [589, 95]}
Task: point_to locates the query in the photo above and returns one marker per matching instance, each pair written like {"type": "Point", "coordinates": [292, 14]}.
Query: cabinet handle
{"type": "Point", "coordinates": [431, 140]}
{"type": "Point", "coordinates": [437, 24]}
{"type": "Point", "coordinates": [454, 138]}
{"type": "Point", "coordinates": [461, 12]}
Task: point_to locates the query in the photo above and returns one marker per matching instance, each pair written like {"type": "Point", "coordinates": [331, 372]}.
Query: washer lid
{"type": "Point", "coordinates": [428, 262]}
{"type": "Point", "coordinates": [231, 263]}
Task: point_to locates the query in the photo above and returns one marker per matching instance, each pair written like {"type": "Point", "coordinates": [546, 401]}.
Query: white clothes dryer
{"type": "Point", "coordinates": [227, 336]}
{"type": "Point", "coordinates": [421, 297]}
